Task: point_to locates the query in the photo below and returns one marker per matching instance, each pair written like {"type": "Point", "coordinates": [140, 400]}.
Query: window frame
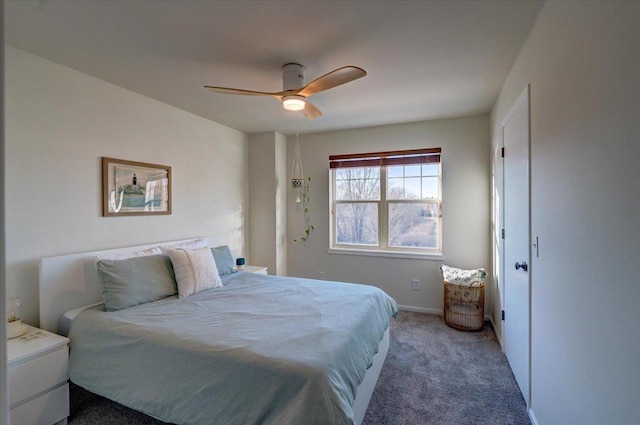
{"type": "Point", "coordinates": [383, 204]}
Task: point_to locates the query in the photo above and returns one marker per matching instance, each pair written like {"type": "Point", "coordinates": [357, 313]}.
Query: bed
{"type": "Point", "coordinates": [259, 349]}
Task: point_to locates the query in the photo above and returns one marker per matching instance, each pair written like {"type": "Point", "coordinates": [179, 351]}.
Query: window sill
{"type": "Point", "coordinates": [385, 253]}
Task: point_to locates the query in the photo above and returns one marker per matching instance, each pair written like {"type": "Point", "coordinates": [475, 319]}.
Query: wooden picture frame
{"type": "Point", "coordinates": [135, 188]}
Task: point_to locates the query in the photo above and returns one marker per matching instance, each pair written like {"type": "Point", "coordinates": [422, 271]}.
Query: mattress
{"type": "Point", "coordinates": [260, 350]}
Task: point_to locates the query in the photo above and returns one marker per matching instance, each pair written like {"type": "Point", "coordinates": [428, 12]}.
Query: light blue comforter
{"type": "Point", "coordinates": [261, 350]}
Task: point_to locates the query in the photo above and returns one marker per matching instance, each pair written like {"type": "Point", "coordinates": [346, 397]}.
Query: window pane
{"type": "Point", "coordinates": [342, 189]}
{"type": "Point", "coordinates": [430, 187]}
{"type": "Point", "coordinates": [413, 181]}
{"type": "Point", "coordinates": [340, 173]}
{"type": "Point", "coordinates": [412, 171]}
{"type": "Point", "coordinates": [395, 188]}
{"type": "Point", "coordinates": [357, 224]}
{"type": "Point", "coordinates": [395, 171]}
{"type": "Point", "coordinates": [413, 225]}
{"type": "Point", "coordinates": [430, 169]}
{"type": "Point", "coordinates": [354, 184]}
{"type": "Point", "coordinates": [412, 188]}
{"type": "Point", "coordinates": [364, 173]}
{"type": "Point", "coordinates": [357, 173]}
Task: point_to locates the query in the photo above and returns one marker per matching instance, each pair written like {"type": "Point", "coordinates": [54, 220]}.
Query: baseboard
{"type": "Point", "coordinates": [498, 337]}
{"type": "Point", "coordinates": [436, 312]}
{"type": "Point", "coordinates": [532, 417]}
{"type": "Point", "coordinates": [421, 309]}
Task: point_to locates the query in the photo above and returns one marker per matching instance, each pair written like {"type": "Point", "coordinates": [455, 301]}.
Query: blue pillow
{"type": "Point", "coordinates": [134, 281]}
{"type": "Point", "coordinates": [223, 259]}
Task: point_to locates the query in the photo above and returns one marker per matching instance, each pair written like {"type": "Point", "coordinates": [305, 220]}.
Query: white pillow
{"type": "Point", "coordinates": [194, 244]}
{"type": "Point", "coordinates": [195, 270]}
{"type": "Point", "coordinates": [126, 255]}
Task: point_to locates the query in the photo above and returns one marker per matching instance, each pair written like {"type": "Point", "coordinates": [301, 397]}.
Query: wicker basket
{"type": "Point", "coordinates": [464, 306]}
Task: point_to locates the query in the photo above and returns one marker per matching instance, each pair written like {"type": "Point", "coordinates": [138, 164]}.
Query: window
{"type": "Point", "coordinates": [387, 201]}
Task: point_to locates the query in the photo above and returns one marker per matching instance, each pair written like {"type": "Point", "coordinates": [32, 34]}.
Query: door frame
{"type": "Point", "coordinates": [524, 97]}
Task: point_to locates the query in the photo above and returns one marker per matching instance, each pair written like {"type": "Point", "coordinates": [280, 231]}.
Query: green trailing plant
{"type": "Point", "coordinates": [305, 209]}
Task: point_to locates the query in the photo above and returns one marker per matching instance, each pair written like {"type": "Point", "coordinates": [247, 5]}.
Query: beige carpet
{"type": "Point", "coordinates": [437, 375]}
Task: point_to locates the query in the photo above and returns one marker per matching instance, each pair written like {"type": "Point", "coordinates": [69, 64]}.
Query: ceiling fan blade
{"type": "Point", "coordinates": [310, 110]}
{"type": "Point", "coordinates": [229, 90]}
{"type": "Point", "coordinates": [333, 79]}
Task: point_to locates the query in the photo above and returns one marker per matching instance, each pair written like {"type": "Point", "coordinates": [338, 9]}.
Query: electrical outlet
{"type": "Point", "coordinates": [415, 284]}
{"type": "Point", "coordinates": [320, 275]}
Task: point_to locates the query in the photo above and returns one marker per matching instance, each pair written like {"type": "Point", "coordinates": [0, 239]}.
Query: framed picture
{"type": "Point", "coordinates": [135, 188]}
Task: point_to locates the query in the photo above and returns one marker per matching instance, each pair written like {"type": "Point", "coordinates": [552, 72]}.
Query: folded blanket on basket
{"type": "Point", "coordinates": [460, 277]}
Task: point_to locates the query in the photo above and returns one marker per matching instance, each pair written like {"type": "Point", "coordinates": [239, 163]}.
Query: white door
{"type": "Point", "coordinates": [516, 325]}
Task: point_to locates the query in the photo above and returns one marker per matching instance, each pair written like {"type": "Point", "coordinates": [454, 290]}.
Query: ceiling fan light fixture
{"type": "Point", "coordinates": [295, 93]}
{"type": "Point", "coordinates": [293, 103]}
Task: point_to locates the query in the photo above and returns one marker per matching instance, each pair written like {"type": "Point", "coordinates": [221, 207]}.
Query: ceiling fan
{"type": "Point", "coordinates": [294, 92]}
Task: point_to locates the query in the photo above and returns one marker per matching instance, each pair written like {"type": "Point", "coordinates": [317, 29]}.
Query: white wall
{"type": "Point", "coordinates": [268, 213]}
{"type": "Point", "coordinates": [4, 399]}
{"type": "Point", "coordinates": [583, 62]}
{"type": "Point", "coordinates": [281, 184]}
{"type": "Point", "coordinates": [465, 157]}
{"type": "Point", "coordinates": [60, 123]}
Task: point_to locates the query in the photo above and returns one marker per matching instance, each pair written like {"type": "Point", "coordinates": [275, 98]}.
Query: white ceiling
{"type": "Point", "coordinates": [425, 59]}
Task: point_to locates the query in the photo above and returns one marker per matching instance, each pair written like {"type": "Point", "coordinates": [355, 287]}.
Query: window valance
{"type": "Point", "coordinates": [374, 159]}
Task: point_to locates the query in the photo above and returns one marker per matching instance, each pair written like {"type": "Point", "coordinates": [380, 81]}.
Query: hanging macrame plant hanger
{"type": "Point", "coordinates": [297, 176]}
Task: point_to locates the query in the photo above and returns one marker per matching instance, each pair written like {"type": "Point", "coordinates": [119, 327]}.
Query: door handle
{"type": "Point", "coordinates": [522, 266]}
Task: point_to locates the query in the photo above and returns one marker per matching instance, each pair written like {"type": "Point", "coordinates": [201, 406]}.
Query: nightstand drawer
{"type": "Point", "coordinates": [47, 409]}
{"type": "Point", "coordinates": [28, 378]}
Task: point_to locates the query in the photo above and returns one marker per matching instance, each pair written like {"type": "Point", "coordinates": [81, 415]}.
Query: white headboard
{"type": "Point", "coordinates": [71, 281]}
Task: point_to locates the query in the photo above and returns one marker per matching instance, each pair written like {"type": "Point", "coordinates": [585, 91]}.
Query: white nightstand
{"type": "Point", "coordinates": [255, 269]}
{"type": "Point", "coordinates": [38, 378]}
